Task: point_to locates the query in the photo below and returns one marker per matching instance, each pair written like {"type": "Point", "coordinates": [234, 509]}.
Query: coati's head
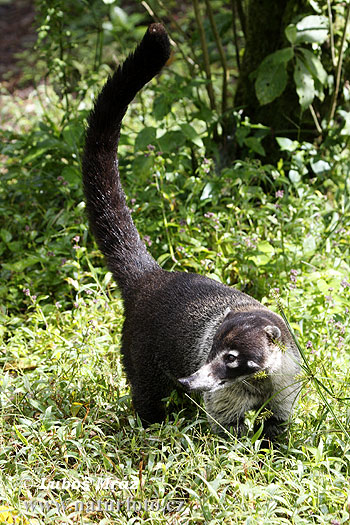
{"type": "Point", "coordinates": [244, 344]}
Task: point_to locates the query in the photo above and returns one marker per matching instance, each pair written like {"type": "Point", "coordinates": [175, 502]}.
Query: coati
{"type": "Point", "coordinates": [181, 330]}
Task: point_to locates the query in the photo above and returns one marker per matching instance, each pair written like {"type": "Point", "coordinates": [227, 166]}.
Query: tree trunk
{"type": "Point", "coordinates": [266, 21]}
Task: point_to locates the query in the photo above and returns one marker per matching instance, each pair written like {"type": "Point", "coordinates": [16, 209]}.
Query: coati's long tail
{"type": "Point", "coordinates": [110, 218]}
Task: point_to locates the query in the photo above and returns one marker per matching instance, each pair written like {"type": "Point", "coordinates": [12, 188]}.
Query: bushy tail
{"type": "Point", "coordinates": [110, 218]}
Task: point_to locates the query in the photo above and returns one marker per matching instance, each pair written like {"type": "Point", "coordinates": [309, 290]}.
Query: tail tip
{"type": "Point", "coordinates": [157, 43]}
{"type": "Point", "coordinates": [157, 30]}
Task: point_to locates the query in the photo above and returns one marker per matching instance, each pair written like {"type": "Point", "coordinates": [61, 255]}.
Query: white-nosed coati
{"type": "Point", "coordinates": [181, 330]}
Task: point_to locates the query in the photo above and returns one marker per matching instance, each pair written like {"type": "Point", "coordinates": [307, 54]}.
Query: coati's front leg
{"type": "Point", "coordinates": [273, 427]}
{"type": "Point", "coordinates": [149, 387]}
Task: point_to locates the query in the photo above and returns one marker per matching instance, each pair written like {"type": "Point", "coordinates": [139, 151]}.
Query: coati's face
{"type": "Point", "coordinates": [244, 344]}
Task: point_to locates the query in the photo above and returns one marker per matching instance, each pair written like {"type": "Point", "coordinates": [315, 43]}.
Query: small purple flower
{"type": "Point", "coordinates": [345, 283]}
{"type": "Point", "coordinates": [76, 305]}
{"type": "Point", "coordinates": [309, 344]}
{"type": "Point", "coordinates": [88, 291]}
{"type": "Point", "coordinates": [293, 276]}
{"type": "Point", "coordinates": [150, 147]}
{"type": "Point", "coordinates": [33, 298]}
{"type": "Point", "coordinates": [27, 228]}
{"type": "Point", "coordinates": [76, 247]}
{"type": "Point", "coordinates": [26, 292]}
{"type": "Point", "coordinates": [61, 179]}
{"type": "Point", "coordinates": [63, 261]}
{"type": "Point", "coordinates": [250, 242]}
{"type": "Point", "coordinates": [147, 240]}
{"type": "Point", "coordinates": [76, 239]}
{"type": "Point", "coordinates": [50, 254]}
{"type": "Point", "coordinates": [339, 326]}
{"type": "Point", "coordinates": [58, 304]}
{"type": "Point", "coordinates": [341, 342]}
{"type": "Point", "coordinates": [279, 194]}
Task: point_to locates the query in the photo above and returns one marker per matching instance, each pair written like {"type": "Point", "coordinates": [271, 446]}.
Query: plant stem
{"type": "Point", "coordinates": [314, 116]}
{"type": "Point", "coordinates": [235, 34]}
{"type": "Point", "coordinates": [339, 67]}
{"type": "Point", "coordinates": [205, 54]}
{"type": "Point", "coordinates": [189, 61]}
{"type": "Point", "coordinates": [331, 31]}
{"type": "Point", "coordinates": [241, 15]}
{"type": "Point", "coordinates": [222, 56]}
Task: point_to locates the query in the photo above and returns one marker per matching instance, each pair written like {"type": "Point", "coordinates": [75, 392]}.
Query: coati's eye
{"type": "Point", "coordinates": [231, 357]}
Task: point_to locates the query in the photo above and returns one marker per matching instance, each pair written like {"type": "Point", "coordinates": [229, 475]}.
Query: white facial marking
{"type": "Point", "coordinates": [235, 353]}
{"type": "Point", "coordinates": [252, 364]}
{"type": "Point", "coordinates": [234, 364]}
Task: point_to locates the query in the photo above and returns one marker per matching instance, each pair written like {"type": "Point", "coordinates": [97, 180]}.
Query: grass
{"type": "Point", "coordinates": [69, 433]}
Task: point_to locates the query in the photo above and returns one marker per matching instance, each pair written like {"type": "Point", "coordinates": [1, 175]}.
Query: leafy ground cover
{"type": "Point", "coordinates": [72, 449]}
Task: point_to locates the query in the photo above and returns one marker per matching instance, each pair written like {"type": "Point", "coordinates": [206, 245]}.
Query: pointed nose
{"type": "Point", "coordinates": [185, 382]}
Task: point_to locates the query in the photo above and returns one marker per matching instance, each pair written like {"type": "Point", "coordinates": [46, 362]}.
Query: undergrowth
{"type": "Point", "coordinates": [279, 232]}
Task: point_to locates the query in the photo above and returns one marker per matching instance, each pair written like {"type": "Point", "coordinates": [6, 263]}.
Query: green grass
{"type": "Point", "coordinates": [279, 232]}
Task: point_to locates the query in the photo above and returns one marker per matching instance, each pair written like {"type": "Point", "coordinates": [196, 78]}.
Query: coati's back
{"type": "Point", "coordinates": [171, 318]}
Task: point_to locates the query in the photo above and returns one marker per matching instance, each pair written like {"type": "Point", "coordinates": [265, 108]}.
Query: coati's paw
{"type": "Point", "coordinates": [274, 428]}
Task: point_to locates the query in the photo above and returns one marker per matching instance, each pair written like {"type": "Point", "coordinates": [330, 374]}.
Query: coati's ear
{"type": "Point", "coordinates": [273, 332]}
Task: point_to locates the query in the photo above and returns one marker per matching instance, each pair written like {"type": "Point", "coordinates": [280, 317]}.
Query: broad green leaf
{"type": "Point", "coordinates": [5, 235]}
{"type": "Point", "coordinates": [266, 247]}
{"type": "Point", "coordinates": [291, 33]}
{"type": "Point", "coordinates": [311, 29]}
{"type": "Point", "coordinates": [207, 191]}
{"type": "Point", "coordinates": [319, 167]}
{"type": "Point", "coordinates": [309, 245]}
{"type": "Point", "coordinates": [72, 134]}
{"type": "Point", "coordinates": [23, 263]}
{"type": "Point", "coordinates": [241, 134]}
{"type": "Point", "coordinates": [71, 174]}
{"type": "Point", "coordinates": [33, 154]}
{"type": "Point", "coordinates": [314, 65]}
{"type": "Point", "coordinates": [272, 76]}
{"type": "Point", "coordinates": [322, 285]}
{"type": "Point", "coordinates": [294, 176]}
{"type": "Point", "coordinates": [280, 56]}
{"type": "Point", "coordinates": [161, 107]}
{"type": "Point", "coordinates": [142, 165]}
{"type": "Point", "coordinates": [255, 145]}
{"type": "Point", "coordinates": [119, 16]}
{"type": "Point", "coordinates": [287, 144]}
{"type": "Point", "coordinates": [191, 134]}
{"type": "Point", "coordinates": [171, 141]}
{"type": "Point", "coordinates": [346, 126]}
{"type": "Point", "coordinates": [144, 138]}
{"type": "Point", "coordinates": [304, 84]}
